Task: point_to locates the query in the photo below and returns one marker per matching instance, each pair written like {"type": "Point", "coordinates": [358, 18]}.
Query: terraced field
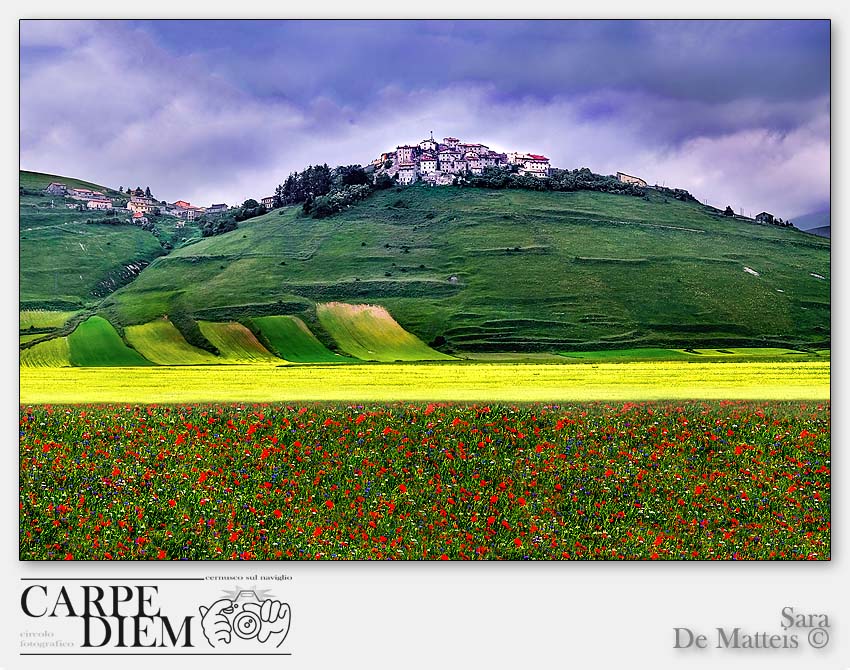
{"type": "Point", "coordinates": [161, 343]}
{"type": "Point", "coordinates": [236, 343]}
{"type": "Point", "coordinates": [705, 355]}
{"type": "Point", "coordinates": [291, 339]}
{"type": "Point", "coordinates": [55, 353]}
{"type": "Point", "coordinates": [44, 319]}
{"type": "Point", "coordinates": [371, 334]}
{"type": "Point", "coordinates": [95, 343]}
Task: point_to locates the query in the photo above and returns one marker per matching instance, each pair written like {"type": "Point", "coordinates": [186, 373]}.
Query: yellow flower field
{"type": "Point", "coordinates": [489, 382]}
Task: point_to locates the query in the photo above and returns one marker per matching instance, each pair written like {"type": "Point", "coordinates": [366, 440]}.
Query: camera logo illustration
{"type": "Point", "coordinates": [248, 615]}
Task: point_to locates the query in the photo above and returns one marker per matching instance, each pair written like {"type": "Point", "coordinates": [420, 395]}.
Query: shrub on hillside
{"type": "Point", "coordinates": [336, 201]}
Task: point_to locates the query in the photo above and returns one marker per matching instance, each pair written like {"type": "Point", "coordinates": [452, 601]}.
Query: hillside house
{"type": "Point", "coordinates": [268, 202]}
{"type": "Point", "coordinates": [630, 179]}
{"type": "Point", "coordinates": [451, 142]}
{"type": "Point", "coordinates": [99, 203]}
{"type": "Point", "coordinates": [427, 164]}
{"type": "Point", "coordinates": [535, 165]}
{"type": "Point", "coordinates": [428, 145]}
{"type": "Point", "coordinates": [217, 209]}
{"type": "Point", "coordinates": [84, 194]}
{"type": "Point", "coordinates": [408, 173]}
{"type": "Point", "coordinates": [56, 188]}
{"type": "Point", "coordinates": [182, 204]}
{"type": "Point", "coordinates": [142, 205]}
{"type": "Point", "coordinates": [406, 154]}
{"type": "Point", "coordinates": [765, 217]}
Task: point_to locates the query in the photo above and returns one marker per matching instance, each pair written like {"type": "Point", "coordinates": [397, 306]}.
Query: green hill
{"type": "Point", "coordinates": [236, 343]}
{"type": "Point", "coordinates": [161, 343]}
{"type": "Point", "coordinates": [486, 270]}
{"type": "Point", "coordinates": [37, 181]}
{"type": "Point", "coordinates": [72, 259]}
{"type": "Point", "coordinates": [96, 343]}
{"type": "Point", "coordinates": [371, 334]}
{"type": "Point", "coordinates": [292, 340]}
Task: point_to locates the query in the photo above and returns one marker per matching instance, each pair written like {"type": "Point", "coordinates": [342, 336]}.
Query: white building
{"type": "Point", "coordinates": [428, 145]}
{"type": "Point", "coordinates": [408, 173]}
{"type": "Point", "coordinates": [99, 203]}
{"type": "Point", "coordinates": [405, 154]}
{"type": "Point", "coordinates": [427, 164]}
{"type": "Point", "coordinates": [84, 194]}
{"type": "Point", "coordinates": [143, 205]}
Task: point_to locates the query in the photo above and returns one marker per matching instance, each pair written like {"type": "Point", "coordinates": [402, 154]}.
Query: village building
{"type": "Point", "coordinates": [440, 162]}
{"type": "Point", "coordinates": [99, 203]}
{"type": "Point", "coordinates": [408, 173]}
{"type": "Point", "coordinates": [84, 194]}
{"type": "Point", "coordinates": [268, 202]}
{"type": "Point", "coordinates": [630, 179]}
{"type": "Point", "coordinates": [406, 154]}
{"type": "Point", "coordinates": [427, 164]}
{"type": "Point", "coordinates": [535, 165]}
{"type": "Point", "coordinates": [765, 217]}
{"type": "Point", "coordinates": [182, 204]}
{"type": "Point", "coordinates": [217, 209]}
{"type": "Point", "coordinates": [56, 188]}
{"type": "Point", "coordinates": [428, 145]}
{"type": "Point", "coordinates": [143, 205]}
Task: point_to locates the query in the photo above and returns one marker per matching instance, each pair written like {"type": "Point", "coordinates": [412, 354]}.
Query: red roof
{"type": "Point", "coordinates": [538, 157]}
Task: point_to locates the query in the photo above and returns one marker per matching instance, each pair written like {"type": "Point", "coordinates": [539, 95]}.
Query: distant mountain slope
{"type": "Point", "coordinates": [822, 231]}
{"type": "Point", "coordinates": [819, 219]}
{"type": "Point", "coordinates": [40, 180]}
{"type": "Point", "coordinates": [488, 270]}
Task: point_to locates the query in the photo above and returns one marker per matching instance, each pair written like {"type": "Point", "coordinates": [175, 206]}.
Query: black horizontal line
{"type": "Point", "coordinates": [112, 579]}
{"type": "Point", "coordinates": [162, 653]}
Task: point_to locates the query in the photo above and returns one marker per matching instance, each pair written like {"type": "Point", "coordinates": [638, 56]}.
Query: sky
{"type": "Point", "coordinates": [737, 112]}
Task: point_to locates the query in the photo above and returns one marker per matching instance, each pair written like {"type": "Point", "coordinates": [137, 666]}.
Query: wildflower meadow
{"type": "Point", "coordinates": [700, 480]}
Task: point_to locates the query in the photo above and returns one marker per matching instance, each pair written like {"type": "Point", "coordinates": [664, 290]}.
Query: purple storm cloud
{"type": "Point", "coordinates": [737, 112]}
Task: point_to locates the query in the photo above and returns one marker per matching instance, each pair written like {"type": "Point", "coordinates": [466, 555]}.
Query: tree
{"type": "Point", "coordinates": [148, 191]}
{"type": "Point", "coordinates": [353, 175]}
{"type": "Point", "coordinates": [383, 181]}
{"type": "Point", "coordinates": [250, 203]}
{"type": "Point", "coordinates": [277, 201]}
{"type": "Point", "coordinates": [728, 211]}
{"type": "Point", "coordinates": [120, 189]}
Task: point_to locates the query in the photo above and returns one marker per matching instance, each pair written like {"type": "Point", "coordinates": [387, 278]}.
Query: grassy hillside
{"type": "Point", "coordinates": [371, 334]}
{"type": "Point", "coordinates": [95, 343]}
{"type": "Point", "coordinates": [161, 343]}
{"type": "Point", "coordinates": [236, 343]}
{"type": "Point", "coordinates": [509, 270]}
{"type": "Point", "coordinates": [292, 340]}
{"type": "Point", "coordinates": [37, 181]}
{"type": "Point", "coordinates": [55, 353]}
{"type": "Point", "coordinates": [68, 263]}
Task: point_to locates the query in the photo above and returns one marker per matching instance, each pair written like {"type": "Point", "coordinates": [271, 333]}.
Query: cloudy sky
{"type": "Point", "coordinates": [218, 111]}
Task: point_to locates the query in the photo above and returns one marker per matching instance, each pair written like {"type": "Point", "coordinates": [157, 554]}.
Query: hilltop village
{"type": "Point", "coordinates": [139, 203]}
{"type": "Point", "coordinates": [323, 191]}
{"type": "Point", "coordinates": [439, 163]}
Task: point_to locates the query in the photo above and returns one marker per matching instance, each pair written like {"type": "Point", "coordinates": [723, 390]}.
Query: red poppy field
{"type": "Point", "coordinates": [662, 480]}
